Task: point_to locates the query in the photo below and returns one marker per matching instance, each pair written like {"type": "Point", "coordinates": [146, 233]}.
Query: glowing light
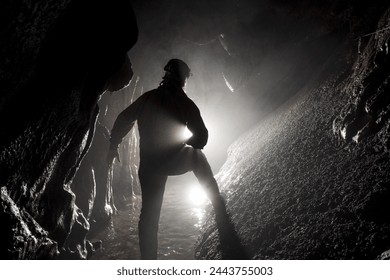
{"type": "Point", "coordinates": [197, 196]}
{"type": "Point", "coordinates": [187, 134]}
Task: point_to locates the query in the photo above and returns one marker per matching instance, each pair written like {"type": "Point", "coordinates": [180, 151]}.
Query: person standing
{"type": "Point", "coordinates": [162, 115]}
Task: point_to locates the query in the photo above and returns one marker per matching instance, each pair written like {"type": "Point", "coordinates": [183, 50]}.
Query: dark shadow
{"type": "Point", "coordinates": [231, 245]}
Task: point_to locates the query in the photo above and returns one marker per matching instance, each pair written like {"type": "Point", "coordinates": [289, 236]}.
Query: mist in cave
{"type": "Point", "coordinates": [291, 92]}
{"type": "Point", "coordinates": [240, 54]}
{"type": "Point", "coordinates": [247, 59]}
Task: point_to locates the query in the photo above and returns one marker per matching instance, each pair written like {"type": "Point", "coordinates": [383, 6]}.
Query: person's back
{"type": "Point", "coordinates": [162, 120]}
{"type": "Point", "coordinates": [162, 115]}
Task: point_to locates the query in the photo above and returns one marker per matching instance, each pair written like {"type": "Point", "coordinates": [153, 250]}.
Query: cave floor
{"type": "Point", "coordinates": [182, 214]}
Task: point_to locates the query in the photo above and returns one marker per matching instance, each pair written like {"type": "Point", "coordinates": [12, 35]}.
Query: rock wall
{"type": "Point", "coordinates": [57, 59]}
{"type": "Point", "coordinates": [367, 111]}
{"type": "Point", "coordinates": [298, 186]}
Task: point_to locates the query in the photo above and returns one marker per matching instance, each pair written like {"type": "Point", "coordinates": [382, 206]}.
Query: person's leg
{"type": "Point", "coordinates": [230, 243]}
{"type": "Point", "coordinates": [190, 159]}
{"type": "Point", "coordinates": [152, 186]}
{"type": "Point", "coordinates": [205, 176]}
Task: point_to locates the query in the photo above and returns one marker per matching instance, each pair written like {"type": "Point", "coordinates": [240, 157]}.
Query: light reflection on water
{"type": "Point", "coordinates": [182, 216]}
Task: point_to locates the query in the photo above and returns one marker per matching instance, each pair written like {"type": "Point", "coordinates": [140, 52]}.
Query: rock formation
{"type": "Point", "coordinates": [57, 57]}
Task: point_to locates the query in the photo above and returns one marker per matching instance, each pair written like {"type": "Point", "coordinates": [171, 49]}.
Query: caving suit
{"type": "Point", "coordinates": [162, 114]}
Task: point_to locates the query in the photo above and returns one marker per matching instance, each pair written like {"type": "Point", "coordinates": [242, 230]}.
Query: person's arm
{"type": "Point", "coordinates": [123, 124]}
{"type": "Point", "coordinates": [196, 125]}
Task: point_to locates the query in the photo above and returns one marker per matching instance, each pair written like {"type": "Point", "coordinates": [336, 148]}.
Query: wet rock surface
{"type": "Point", "coordinates": [57, 59]}
{"type": "Point", "coordinates": [296, 191]}
{"type": "Point", "coordinates": [367, 111]}
{"type": "Point", "coordinates": [27, 238]}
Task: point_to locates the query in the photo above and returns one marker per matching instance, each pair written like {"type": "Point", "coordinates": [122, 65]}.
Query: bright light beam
{"type": "Point", "coordinates": [187, 134]}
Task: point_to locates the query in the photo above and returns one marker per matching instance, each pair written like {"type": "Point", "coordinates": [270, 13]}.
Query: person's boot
{"type": "Point", "coordinates": [231, 245]}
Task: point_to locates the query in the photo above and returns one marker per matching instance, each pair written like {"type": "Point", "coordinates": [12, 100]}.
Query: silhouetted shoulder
{"type": "Point", "coordinates": [191, 106]}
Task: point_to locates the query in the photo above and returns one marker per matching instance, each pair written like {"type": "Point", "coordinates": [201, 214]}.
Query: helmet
{"type": "Point", "coordinates": [178, 68]}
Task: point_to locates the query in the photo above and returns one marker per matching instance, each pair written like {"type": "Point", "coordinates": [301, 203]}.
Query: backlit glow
{"type": "Point", "coordinates": [197, 196]}
{"type": "Point", "coordinates": [187, 134]}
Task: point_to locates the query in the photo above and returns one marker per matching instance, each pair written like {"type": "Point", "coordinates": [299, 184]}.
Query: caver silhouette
{"type": "Point", "coordinates": [162, 115]}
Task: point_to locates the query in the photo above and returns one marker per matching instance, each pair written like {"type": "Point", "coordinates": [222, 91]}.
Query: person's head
{"type": "Point", "coordinates": [177, 70]}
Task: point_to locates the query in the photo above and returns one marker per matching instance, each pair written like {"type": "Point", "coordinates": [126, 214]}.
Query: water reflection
{"type": "Point", "coordinates": [197, 201]}
{"type": "Point", "coordinates": [182, 215]}
{"type": "Point", "coordinates": [199, 213]}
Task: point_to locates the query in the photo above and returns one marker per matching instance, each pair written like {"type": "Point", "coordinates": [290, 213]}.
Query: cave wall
{"type": "Point", "coordinates": [367, 111]}
{"type": "Point", "coordinates": [311, 181]}
{"type": "Point", "coordinates": [125, 173]}
{"type": "Point", "coordinates": [57, 57]}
